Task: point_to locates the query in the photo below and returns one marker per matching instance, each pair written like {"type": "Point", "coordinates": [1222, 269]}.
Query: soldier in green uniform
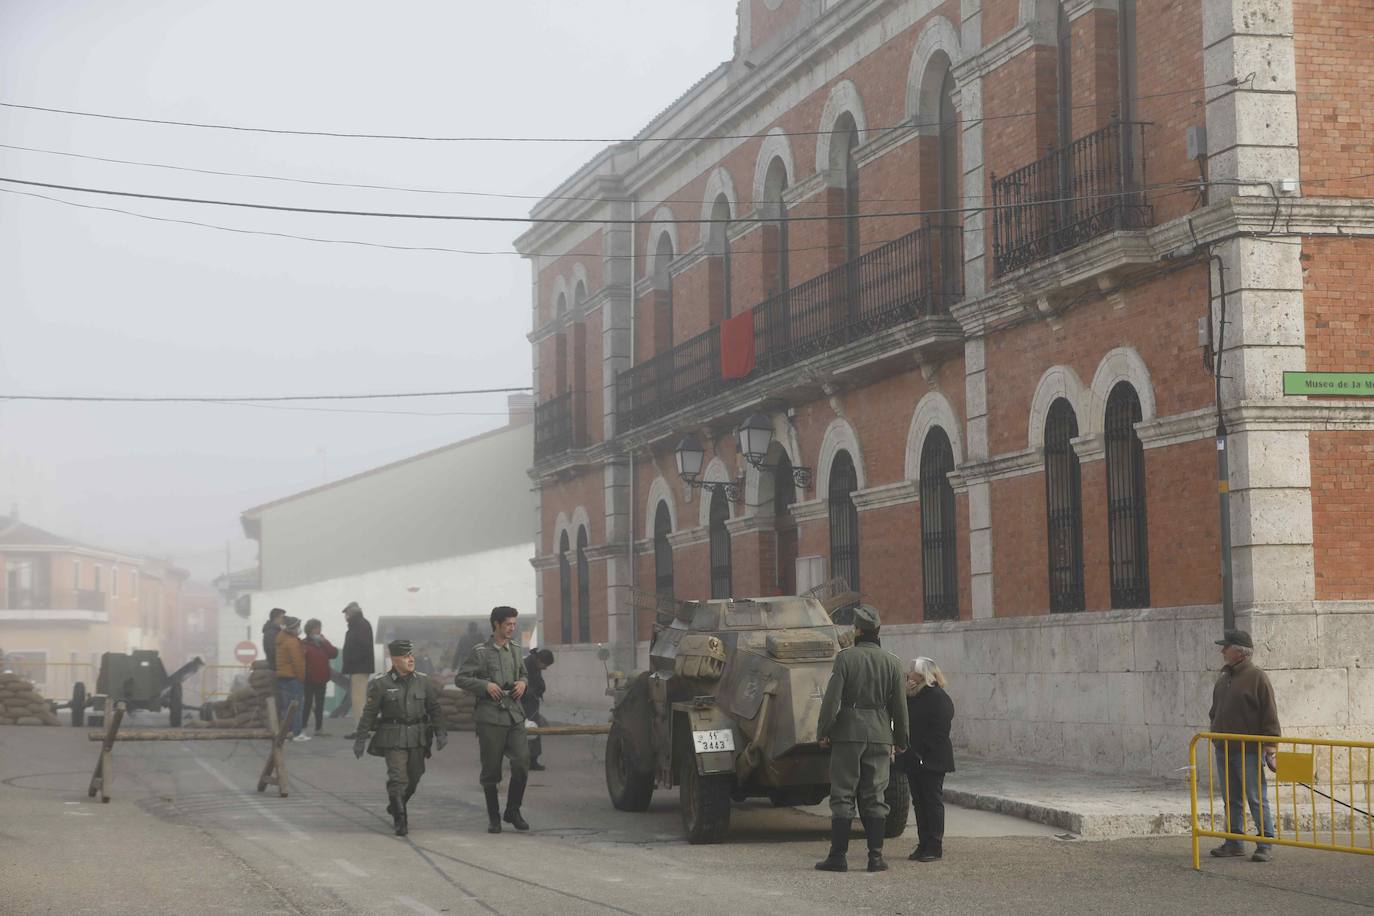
{"type": "Point", "coordinates": [403, 707]}
{"type": "Point", "coordinates": [863, 716]}
{"type": "Point", "coordinates": [494, 672]}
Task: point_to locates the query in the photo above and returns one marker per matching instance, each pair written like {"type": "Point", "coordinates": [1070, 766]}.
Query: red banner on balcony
{"type": "Point", "coordinates": [737, 346]}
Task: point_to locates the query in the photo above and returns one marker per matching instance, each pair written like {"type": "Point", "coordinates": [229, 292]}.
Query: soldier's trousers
{"type": "Point", "coordinates": [859, 769]}
{"type": "Point", "coordinates": [404, 767]}
{"type": "Point", "coordinates": [497, 741]}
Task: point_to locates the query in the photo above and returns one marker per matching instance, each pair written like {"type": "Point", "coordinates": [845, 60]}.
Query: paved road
{"type": "Point", "coordinates": [185, 832]}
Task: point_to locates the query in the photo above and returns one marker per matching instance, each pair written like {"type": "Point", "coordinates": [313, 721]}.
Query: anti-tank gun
{"type": "Point", "coordinates": [728, 711]}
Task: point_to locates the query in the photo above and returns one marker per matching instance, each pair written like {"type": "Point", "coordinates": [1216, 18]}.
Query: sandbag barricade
{"type": "Point", "coordinates": [21, 704]}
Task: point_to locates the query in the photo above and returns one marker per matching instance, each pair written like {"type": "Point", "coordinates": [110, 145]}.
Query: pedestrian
{"type": "Point", "coordinates": [863, 720]}
{"type": "Point", "coordinates": [1243, 704]}
{"type": "Point", "coordinates": [466, 642]}
{"type": "Point", "coordinates": [424, 664]}
{"type": "Point", "coordinates": [318, 652]}
{"type": "Point", "coordinates": [403, 706]}
{"type": "Point", "coordinates": [494, 673]}
{"type": "Point", "coordinates": [359, 661]}
{"type": "Point", "coordinates": [291, 675]}
{"type": "Point", "coordinates": [930, 712]}
{"type": "Point", "coordinates": [536, 663]}
{"type": "Point", "coordinates": [270, 629]}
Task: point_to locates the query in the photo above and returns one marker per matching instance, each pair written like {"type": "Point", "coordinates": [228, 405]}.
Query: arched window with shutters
{"type": "Point", "coordinates": [1126, 528]}
{"type": "Point", "coordinates": [720, 545]}
{"type": "Point", "coordinates": [565, 610]}
{"type": "Point", "coordinates": [844, 520]}
{"type": "Point", "coordinates": [1064, 509]}
{"type": "Point", "coordinates": [584, 589]}
{"type": "Point", "coordinates": [939, 570]}
{"type": "Point", "coordinates": [663, 552]}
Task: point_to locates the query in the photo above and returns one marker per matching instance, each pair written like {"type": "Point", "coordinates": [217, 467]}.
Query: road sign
{"type": "Point", "coordinates": [1329, 384]}
{"type": "Point", "coordinates": [246, 653]}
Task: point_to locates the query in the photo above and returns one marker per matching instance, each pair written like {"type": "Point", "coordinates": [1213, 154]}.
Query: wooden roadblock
{"type": "Point", "coordinates": [274, 769]}
{"type": "Point", "coordinates": [569, 730]}
{"type": "Point", "coordinates": [103, 776]}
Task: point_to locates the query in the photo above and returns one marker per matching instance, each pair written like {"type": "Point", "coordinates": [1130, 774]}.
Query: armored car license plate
{"type": "Point", "coordinates": [719, 739]}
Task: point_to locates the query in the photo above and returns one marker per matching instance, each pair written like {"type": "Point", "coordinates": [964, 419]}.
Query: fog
{"type": "Point", "coordinates": [101, 303]}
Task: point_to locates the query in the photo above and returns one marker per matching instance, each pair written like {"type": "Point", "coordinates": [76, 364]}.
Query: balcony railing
{"type": "Point", "coordinates": [915, 276]}
{"type": "Point", "coordinates": [553, 426]}
{"type": "Point", "coordinates": [42, 599]}
{"type": "Point", "coordinates": [1089, 188]}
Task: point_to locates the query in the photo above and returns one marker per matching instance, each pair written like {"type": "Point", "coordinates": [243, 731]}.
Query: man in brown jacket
{"type": "Point", "coordinates": [1243, 704]}
{"type": "Point", "coordinates": [291, 674]}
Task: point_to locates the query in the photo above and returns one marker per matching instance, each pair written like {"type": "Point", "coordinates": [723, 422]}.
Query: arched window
{"type": "Point", "coordinates": [720, 545]}
{"type": "Point", "coordinates": [844, 520]}
{"type": "Point", "coordinates": [939, 570]}
{"type": "Point", "coordinates": [775, 278]}
{"type": "Point", "coordinates": [718, 247]}
{"type": "Point", "coordinates": [663, 294]}
{"type": "Point", "coordinates": [949, 176]}
{"type": "Point", "coordinates": [844, 191]}
{"type": "Point", "coordinates": [561, 376]}
{"type": "Point", "coordinates": [565, 590]}
{"type": "Point", "coordinates": [1064, 509]}
{"type": "Point", "coordinates": [584, 589]}
{"type": "Point", "coordinates": [1064, 77]}
{"type": "Point", "coordinates": [1130, 562]}
{"type": "Point", "coordinates": [663, 552]}
{"type": "Point", "coordinates": [784, 495]}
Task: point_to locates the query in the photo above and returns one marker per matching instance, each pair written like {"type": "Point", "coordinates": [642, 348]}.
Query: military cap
{"type": "Point", "coordinates": [400, 647]}
{"type": "Point", "coordinates": [1236, 638]}
{"type": "Point", "coordinates": [866, 618]}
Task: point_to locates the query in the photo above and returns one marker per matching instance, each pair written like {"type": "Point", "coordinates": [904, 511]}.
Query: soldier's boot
{"type": "Point", "coordinates": [839, 846]}
{"type": "Point", "coordinates": [493, 809]}
{"type": "Point", "coordinates": [873, 831]}
{"type": "Point", "coordinates": [398, 814]}
{"type": "Point", "coordinates": [391, 805]}
{"type": "Point", "coordinates": [514, 797]}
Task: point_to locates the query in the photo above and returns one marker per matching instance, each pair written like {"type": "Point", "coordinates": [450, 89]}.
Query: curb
{"type": "Point", "coordinates": [1083, 824]}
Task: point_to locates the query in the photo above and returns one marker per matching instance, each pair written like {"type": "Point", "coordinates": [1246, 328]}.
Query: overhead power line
{"type": "Point", "coordinates": [351, 135]}
{"type": "Point", "coordinates": [245, 399]}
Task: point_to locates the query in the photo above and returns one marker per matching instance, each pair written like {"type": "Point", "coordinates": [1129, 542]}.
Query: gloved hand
{"type": "Point", "coordinates": [359, 745]}
{"type": "Point", "coordinates": [440, 742]}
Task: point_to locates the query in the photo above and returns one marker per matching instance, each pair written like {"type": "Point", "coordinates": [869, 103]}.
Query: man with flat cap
{"type": "Point", "coordinates": [494, 673]}
{"type": "Point", "coordinates": [1243, 704]}
{"type": "Point", "coordinates": [863, 718]}
{"type": "Point", "coordinates": [403, 706]}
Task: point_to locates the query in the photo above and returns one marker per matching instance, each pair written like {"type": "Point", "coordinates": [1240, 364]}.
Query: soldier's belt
{"type": "Point", "coordinates": [402, 722]}
{"type": "Point", "coordinates": [861, 706]}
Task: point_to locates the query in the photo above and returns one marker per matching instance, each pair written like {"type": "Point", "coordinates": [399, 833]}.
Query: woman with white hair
{"type": "Point", "coordinates": [930, 756]}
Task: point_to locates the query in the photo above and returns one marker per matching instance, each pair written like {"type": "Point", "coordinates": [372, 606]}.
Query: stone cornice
{"type": "Point", "coordinates": [748, 524]}
{"type": "Point", "coordinates": [1162, 432]}
{"type": "Point", "coordinates": [1091, 447]}
{"type": "Point", "coordinates": [689, 536]}
{"type": "Point", "coordinates": [1001, 467]}
{"type": "Point", "coordinates": [1000, 51]}
{"type": "Point", "coordinates": [589, 307]}
{"type": "Point", "coordinates": [810, 510]}
{"type": "Point", "coordinates": [1297, 415]}
{"type": "Point", "coordinates": [608, 551]}
{"type": "Point", "coordinates": [545, 562]}
{"type": "Point", "coordinates": [884, 143]}
{"type": "Point", "coordinates": [901, 493]}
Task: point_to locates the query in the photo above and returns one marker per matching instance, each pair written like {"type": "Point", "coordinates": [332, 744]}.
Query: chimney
{"type": "Point", "coordinates": [520, 408]}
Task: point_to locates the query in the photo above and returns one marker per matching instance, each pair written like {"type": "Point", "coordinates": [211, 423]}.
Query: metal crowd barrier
{"type": "Point", "coordinates": [1316, 795]}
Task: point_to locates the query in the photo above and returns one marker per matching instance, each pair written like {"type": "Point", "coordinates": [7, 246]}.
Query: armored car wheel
{"type": "Point", "coordinates": [705, 802]}
{"type": "Point", "coordinates": [898, 798]}
{"type": "Point", "coordinates": [630, 789]}
{"type": "Point", "coordinates": [78, 704]}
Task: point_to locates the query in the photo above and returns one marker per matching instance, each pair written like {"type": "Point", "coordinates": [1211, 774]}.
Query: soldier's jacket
{"type": "Point", "coordinates": [486, 664]}
{"type": "Point", "coordinates": [403, 710]}
{"type": "Point", "coordinates": [866, 698]}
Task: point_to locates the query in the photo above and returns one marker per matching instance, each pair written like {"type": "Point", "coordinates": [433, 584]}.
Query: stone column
{"type": "Point", "coordinates": [616, 348]}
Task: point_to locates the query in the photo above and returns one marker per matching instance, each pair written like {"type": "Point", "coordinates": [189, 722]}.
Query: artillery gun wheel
{"type": "Point", "coordinates": [78, 704]}
{"type": "Point", "coordinates": [175, 707]}
{"type": "Point", "coordinates": [630, 789]}
{"type": "Point", "coordinates": [898, 798]}
{"type": "Point", "coordinates": [705, 802]}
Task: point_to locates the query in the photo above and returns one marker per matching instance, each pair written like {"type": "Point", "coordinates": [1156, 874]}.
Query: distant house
{"type": "Point", "coordinates": [449, 532]}
{"type": "Point", "coordinates": [64, 603]}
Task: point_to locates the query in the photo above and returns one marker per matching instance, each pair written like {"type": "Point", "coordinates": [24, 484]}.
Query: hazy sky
{"type": "Point", "coordinates": [95, 302]}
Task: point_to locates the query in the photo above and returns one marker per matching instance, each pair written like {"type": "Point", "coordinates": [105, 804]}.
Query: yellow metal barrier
{"type": "Point", "coordinates": [1312, 793]}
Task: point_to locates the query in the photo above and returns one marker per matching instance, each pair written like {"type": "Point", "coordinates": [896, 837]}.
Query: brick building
{"type": "Point", "coordinates": [968, 260]}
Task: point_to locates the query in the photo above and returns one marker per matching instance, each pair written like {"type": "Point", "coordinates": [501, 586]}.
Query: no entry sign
{"type": "Point", "coordinates": [246, 653]}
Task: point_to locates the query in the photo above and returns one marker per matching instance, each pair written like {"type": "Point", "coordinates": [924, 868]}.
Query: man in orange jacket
{"type": "Point", "coordinates": [291, 674]}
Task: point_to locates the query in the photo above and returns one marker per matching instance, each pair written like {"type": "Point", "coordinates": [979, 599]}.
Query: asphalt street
{"type": "Point", "coordinates": [186, 832]}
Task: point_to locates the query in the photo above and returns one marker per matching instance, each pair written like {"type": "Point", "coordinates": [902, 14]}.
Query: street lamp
{"type": "Point", "coordinates": [690, 456]}
{"type": "Point", "coordinates": [755, 437]}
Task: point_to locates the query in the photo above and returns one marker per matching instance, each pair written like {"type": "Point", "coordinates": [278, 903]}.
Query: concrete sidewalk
{"type": "Point", "coordinates": [1090, 805]}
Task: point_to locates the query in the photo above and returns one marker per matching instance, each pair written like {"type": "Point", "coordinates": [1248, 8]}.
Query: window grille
{"type": "Point", "coordinates": [939, 570]}
{"type": "Point", "coordinates": [844, 520]}
{"type": "Point", "coordinates": [584, 589]}
{"type": "Point", "coordinates": [1126, 525]}
{"type": "Point", "coordinates": [663, 552]}
{"type": "Point", "coordinates": [1064, 508]}
{"type": "Point", "coordinates": [565, 590]}
{"type": "Point", "coordinates": [720, 545]}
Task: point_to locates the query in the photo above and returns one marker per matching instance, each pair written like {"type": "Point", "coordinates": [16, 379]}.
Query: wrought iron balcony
{"type": "Point", "coordinates": [916, 276]}
{"type": "Point", "coordinates": [43, 599]}
{"type": "Point", "coordinates": [553, 426]}
{"type": "Point", "coordinates": [1091, 187]}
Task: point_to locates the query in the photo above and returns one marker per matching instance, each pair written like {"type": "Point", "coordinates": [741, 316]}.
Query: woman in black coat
{"type": "Point", "coordinates": [930, 757]}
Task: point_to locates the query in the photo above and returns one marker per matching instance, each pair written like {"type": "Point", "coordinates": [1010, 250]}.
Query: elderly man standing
{"type": "Point", "coordinates": [1243, 704]}
{"type": "Point", "coordinates": [358, 662]}
{"type": "Point", "coordinates": [863, 717]}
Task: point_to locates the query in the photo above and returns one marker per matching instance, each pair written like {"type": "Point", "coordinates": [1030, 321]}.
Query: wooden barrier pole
{"type": "Point", "coordinates": [274, 770]}
{"type": "Point", "coordinates": [569, 730]}
{"type": "Point", "coordinates": [189, 734]}
{"type": "Point", "coordinates": [104, 766]}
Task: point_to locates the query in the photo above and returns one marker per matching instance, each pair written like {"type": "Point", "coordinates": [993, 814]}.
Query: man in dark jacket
{"type": "Point", "coordinates": [535, 664]}
{"type": "Point", "coordinates": [930, 757]}
{"type": "Point", "coordinates": [358, 661]}
{"type": "Point", "coordinates": [1243, 704]}
{"type": "Point", "coordinates": [862, 720]}
{"type": "Point", "coordinates": [270, 629]}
